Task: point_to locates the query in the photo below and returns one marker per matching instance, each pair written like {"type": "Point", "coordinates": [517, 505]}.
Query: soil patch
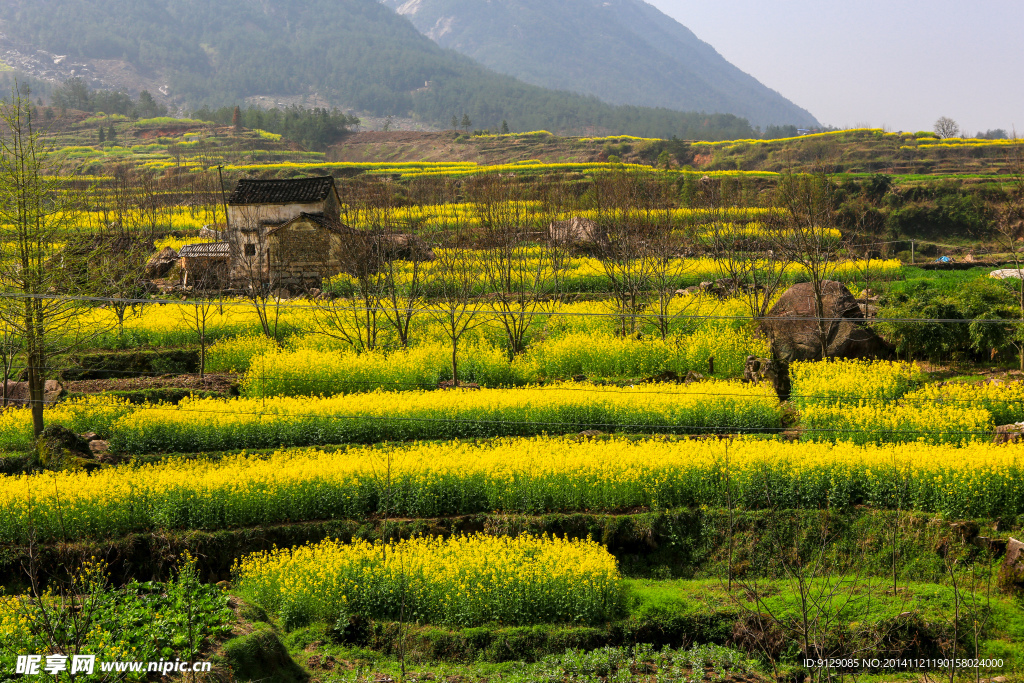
{"type": "Point", "coordinates": [220, 383]}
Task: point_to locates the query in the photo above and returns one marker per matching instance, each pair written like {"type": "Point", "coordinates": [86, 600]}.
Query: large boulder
{"type": "Point", "coordinates": [62, 449]}
{"type": "Point", "coordinates": [17, 393]}
{"type": "Point", "coordinates": [1011, 574]}
{"type": "Point", "coordinates": [793, 326]}
{"type": "Point", "coordinates": [161, 263]}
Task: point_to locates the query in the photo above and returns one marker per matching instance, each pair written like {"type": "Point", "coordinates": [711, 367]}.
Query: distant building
{"type": "Point", "coordinates": [288, 234]}
{"type": "Point", "coordinates": [285, 232]}
{"type": "Point", "coordinates": [275, 202]}
{"type": "Point", "coordinates": [205, 266]}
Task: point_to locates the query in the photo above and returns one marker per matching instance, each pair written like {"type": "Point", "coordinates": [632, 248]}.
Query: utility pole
{"type": "Point", "coordinates": [223, 196]}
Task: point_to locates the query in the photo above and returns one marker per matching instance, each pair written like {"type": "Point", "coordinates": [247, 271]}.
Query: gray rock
{"type": "Point", "coordinates": [1009, 433]}
{"type": "Point", "coordinates": [99, 446]}
{"type": "Point", "coordinates": [18, 394]}
{"type": "Point", "coordinates": [1011, 573]}
{"type": "Point", "coordinates": [797, 338]}
{"type": "Point", "coordinates": [161, 263]}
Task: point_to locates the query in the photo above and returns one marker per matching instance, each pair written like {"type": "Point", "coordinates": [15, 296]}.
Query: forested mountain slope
{"type": "Point", "coordinates": [623, 51]}
{"type": "Point", "coordinates": [350, 53]}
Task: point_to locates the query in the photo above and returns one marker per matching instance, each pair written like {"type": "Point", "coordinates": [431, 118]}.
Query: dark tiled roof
{"type": "Point", "coordinates": [297, 191]}
{"type": "Point", "coordinates": [208, 249]}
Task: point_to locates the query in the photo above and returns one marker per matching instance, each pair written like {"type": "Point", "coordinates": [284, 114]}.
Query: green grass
{"type": "Point", "coordinates": [139, 621]}
{"type": "Point", "coordinates": [675, 623]}
{"type": "Point", "coordinates": [944, 281]}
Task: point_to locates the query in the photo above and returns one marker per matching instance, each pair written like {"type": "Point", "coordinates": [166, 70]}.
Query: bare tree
{"type": "Point", "coordinates": [353, 318]}
{"type": "Point", "coordinates": [806, 232]}
{"type": "Point", "coordinates": [830, 591]}
{"type": "Point", "coordinates": [946, 127]}
{"type": "Point", "coordinates": [456, 306]}
{"type": "Point", "coordinates": [38, 269]}
{"type": "Point", "coordinates": [197, 312]}
{"type": "Point", "coordinates": [401, 299]}
{"type": "Point", "coordinates": [517, 269]}
{"type": "Point", "coordinates": [557, 198]}
{"type": "Point", "coordinates": [129, 226]}
{"type": "Point", "coordinates": [623, 212]}
{"type": "Point", "coordinates": [668, 269]}
{"type": "Point", "coordinates": [1009, 235]}
{"type": "Point", "coordinates": [743, 252]}
{"type": "Point", "coordinates": [251, 269]}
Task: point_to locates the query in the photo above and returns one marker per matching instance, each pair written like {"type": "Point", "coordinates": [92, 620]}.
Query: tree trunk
{"type": "Point", "coordinates": [36, 359]}
{"type": "Point", "coordinates": [202, 351]}
{"type": "Point", "coordinates": [35, 394]}
{"type": "Point", "coordinates": [455, 362]}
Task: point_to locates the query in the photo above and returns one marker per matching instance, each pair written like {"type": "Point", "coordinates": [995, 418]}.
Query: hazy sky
{"type": "Point", "coordinates": [895, 63]}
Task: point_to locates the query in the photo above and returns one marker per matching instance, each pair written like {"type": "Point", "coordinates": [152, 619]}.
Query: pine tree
{"type": "Point", "coordinates": [112, 135]}
{"type": "Point", "coordinates": [504, 127]}
{"type": "Point", "coordinates": [466, 123]}
{"type": "Point", "coordinates": [236, 119]}
{"type": "Point", "coordinates": [103, 137]}
{"type": "Point", "coordinates": [455, 123]}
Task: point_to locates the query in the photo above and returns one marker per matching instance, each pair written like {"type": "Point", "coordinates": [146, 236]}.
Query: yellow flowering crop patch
{"type": "Point", "coordinates": [196, 425]}
{"type": "Point", "coordinates": [874, 422]}
{"type": "Point", "coordinates": [461, 581]}
{"type": "Point", "coordinates": [324, 371]}
{"type": "Point", "coordinates": [526, 475]}
{"type": "Point", "coordinates": [1004, 401]}
{"type": "Point", "coordinates": [851, 381]}
{"type": "Point", "coordinates": [871, 401]}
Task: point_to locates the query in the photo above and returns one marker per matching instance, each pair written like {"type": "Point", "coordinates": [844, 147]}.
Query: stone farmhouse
{"type": "Point", "coordinates": [285, 233]}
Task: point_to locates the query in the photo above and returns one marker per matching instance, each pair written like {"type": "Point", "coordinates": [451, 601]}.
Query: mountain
{"type": "Point", "coordinates": [354, 54]}
{"type": "Point", "coordinates": [622, 51]}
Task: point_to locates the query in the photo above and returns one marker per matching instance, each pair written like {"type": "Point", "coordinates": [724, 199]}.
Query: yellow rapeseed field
{"type": "Point", "coordinates": [528, 475]}
{"type": "Point", "coordinates": [198, 425]}
{"type": "Point", "coordinates": [461, 581]}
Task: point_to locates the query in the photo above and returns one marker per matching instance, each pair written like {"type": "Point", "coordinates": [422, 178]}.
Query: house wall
{"type": "Point", "coordinates": [303, 254]}
{"type": "Point", "coordinates": [332, 207]}
{"type": "Point", "coordinates": [205, 272]}
{"type": "Point", "coordinates": [251, 215]}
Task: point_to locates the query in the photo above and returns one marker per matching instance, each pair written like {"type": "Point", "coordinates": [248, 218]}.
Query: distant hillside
{"type": "Point", "coordinates": [354, 54]}
{"type": "Point", "coordinates": [623, 51]}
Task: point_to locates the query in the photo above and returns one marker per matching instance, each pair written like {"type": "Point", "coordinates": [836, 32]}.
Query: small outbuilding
{"type": "Point", "coordinates": [205, 266]}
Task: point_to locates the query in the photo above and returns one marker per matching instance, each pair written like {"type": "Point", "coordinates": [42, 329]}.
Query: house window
{"type": "Point", "coordinates": [250, 250]}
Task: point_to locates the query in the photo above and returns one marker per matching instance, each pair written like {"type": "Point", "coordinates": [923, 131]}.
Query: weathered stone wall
{"type": "Point", "coordinates": [303, 254]}
{"type": "Point", "coordinates": [251, 215]}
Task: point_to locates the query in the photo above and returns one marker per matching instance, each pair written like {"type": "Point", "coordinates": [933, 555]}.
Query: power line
{"type": "Point", "coordinates": [575, 425]}
{"type": "Point", "coordinates": [524, 314]}
{"type": "Point", "coordinates": [555, 385]}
